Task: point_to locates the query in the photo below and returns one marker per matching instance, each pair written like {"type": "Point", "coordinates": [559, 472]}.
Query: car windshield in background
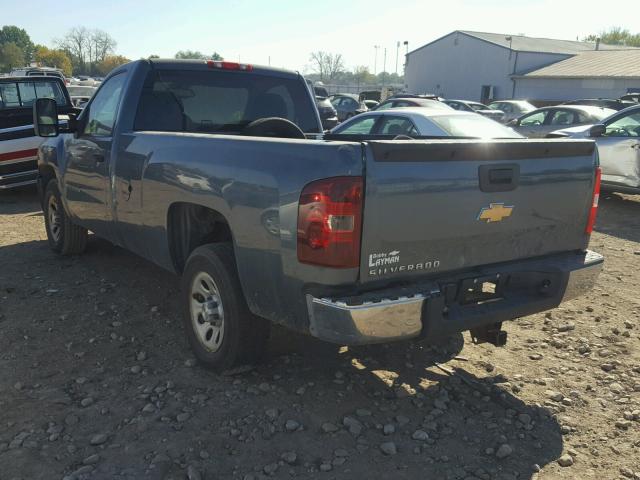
{"type": "Point", "coordinates": [477, 106]}
{"type": "Point", "coordinates": [473, 125]}
{"type": "Point", "coordinates": [23, 93]}
{"type": "Point", "coordinates": [602, 113]}
{"type": "Point", "coordinates": [78, 91]}
{"type": "Point", "coordinates": [220, 102]}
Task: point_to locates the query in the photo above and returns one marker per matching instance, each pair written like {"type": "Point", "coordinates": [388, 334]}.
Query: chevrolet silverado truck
{"type": "Point", "coordinates": [218, 171]}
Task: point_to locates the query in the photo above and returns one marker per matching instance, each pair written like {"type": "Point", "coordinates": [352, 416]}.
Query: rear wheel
{"type": "Point", "coordinates": [63, 235]}
{"type": "Point", "coordinates": [220, 328]}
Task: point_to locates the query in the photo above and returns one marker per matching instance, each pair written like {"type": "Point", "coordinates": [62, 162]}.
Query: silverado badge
{"type": "Point", "coordinates": [495, 212]}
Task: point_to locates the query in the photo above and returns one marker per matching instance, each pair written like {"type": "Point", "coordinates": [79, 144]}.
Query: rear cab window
{"type": "Point", "coordinates": [221, 102]}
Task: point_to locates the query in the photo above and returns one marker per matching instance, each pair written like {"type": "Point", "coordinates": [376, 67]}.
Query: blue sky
{"type": "Point", "coordinates": [286, 31]}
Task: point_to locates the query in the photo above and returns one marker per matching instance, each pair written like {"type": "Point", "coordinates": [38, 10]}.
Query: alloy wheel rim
{"type": "Point", "coordinates": [207, 312]}
{"type": "Point", "coordinates": [55, 219]}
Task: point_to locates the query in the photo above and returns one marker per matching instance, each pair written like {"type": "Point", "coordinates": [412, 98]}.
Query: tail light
{"type": "Point", "coordinates": [229, 65]}
{"type": "Point", "coordinates": [594, 203]}
{"type": "Point", "coordinates": [330, 222]}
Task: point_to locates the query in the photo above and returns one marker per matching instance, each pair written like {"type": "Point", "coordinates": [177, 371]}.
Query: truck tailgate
{"type": "Point", "coordinates": [444, 205]}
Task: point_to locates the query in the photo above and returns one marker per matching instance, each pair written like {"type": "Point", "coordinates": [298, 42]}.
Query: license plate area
{"type": "Point", "coordinates": [479, 290]}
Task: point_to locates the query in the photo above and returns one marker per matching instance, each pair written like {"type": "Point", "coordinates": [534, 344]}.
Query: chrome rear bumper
{"type": "Point", "coordinates": [370, 322]}
{"type": "Point", "coordinates": [384, 317]}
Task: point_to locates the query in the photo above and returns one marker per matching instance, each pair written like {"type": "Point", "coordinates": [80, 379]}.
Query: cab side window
{"type": "Point", "coordinates": [562, 117]}
{"type": "Point", "coordinates": [533, 119]}
{"type": "Point", "coordinates": [104, 107]}
{"type": "Point", "coordinates": [362, 126]}
{"type": "Point", "coordinates": [385, 106]}
{"type": "Point", "coordinates": [627, 126]}
{"type": "Point", "coordinates": [397, 126]}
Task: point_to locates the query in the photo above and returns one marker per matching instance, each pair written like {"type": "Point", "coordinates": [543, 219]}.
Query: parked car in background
{"type": "Point", "coordinates": [347, 105]}
{"type": "Point", "coordinates": [328, 114]}
{"type": "Point", "coordinates": [540, 122]}
{"type": "Point", "coordinates": [413, 102]}
{"type": "Point", "coordinates": [318, 90]}
{"type": "Point", "coordinates": [631, 97]}
{"type": "Point", "coordinates": [18, 142]}
{"type": "Point", "coordinates": [429, 96]}
{"type": "Point", "coordinates": [371, 104]}
{"type": "Point", "coordinates": [477, 107]}
{"type": "Point", "coordinates": [618, 140]}
{"type": "Point", "coordinates": [371, 95]}
{"type": "Point", "coordinates": [80, 94]}
{"type": "Point", "coordinates": [424, 122]}
{"type": "Point", "coordinates": [611, 103]}
{"type": "Point", "coordinates": [38, 71]}
{"type": "Point", "coordinates": [512, 109]}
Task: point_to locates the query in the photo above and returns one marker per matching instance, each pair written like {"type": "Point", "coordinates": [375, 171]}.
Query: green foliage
{"type": "Point", "coordinates": [11, 56]}
{"type": "Point", "coordinates": [109, 63]}
{"type": "Point", "coordinates": [616, 36]}
{"type": "Point", "coordinates": [19, 37]}
{"type": "Point", "coordinates": [53, 58]}
{"type": "Point", "coordinates": [191, 54]}
{"type": "Point", "coordinates": [360, 76]}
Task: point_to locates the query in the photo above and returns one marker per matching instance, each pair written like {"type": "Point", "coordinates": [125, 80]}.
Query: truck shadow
{"type": "Point", "coordinates": [619, 216]}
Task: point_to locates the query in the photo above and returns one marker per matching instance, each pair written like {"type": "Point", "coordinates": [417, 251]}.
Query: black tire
{"type": "Point", "coordinates": [245, 335]}
{"type": "Point", "coordinates": [65, 237]}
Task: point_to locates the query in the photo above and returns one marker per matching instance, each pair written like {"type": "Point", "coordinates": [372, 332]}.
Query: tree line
{"type": "Point", "coordinates": [330, 68]}
{"type": "Point", "coordinates": [616, 36]}
{"type": "Point", "coordinates": [81, 51]}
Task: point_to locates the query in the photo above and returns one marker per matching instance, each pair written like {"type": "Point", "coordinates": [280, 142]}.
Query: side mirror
{"type": "Point", "coordinates": [512, 123]}
{"type": "Point", "coordinates": [45, 117]}
{"type": "Point", "coordinates": [597, 130]}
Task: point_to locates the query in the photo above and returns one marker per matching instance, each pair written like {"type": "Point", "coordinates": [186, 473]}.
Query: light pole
{"type": "Point", "coordinates": [509, 39]}
{"type": "Point", "coordinates": [375, 61]}
{"type": "Point", "coordinates": [397, 50]}
{"type": "Point", "coordinates": [384, 66]}
{"type": "Point", "coordinates": [406, 52]}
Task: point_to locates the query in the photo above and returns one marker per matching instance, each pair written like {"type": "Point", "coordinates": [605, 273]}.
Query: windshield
{"type": "Point", "coordinates": [221, 102]}
{"type": "Point", "coordinates": [477, 106]}
{"type": "Point", "coordinates": [473, 125]}
{"type": "Point", "coordinates": [524, 107]}
{"type": "Point", "coordinates": [76, 91]}
{"type": "Point", "coordinates": [603, 113]}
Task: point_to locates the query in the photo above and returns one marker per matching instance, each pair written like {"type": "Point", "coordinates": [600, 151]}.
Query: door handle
{"type": "Point", "coordinates": [636, 146]}
{"type": "Point", "coordinates": [499, 178]}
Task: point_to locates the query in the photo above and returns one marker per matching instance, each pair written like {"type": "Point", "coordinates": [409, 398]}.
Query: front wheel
{"type": "Point", "coordinates": [220, 328]}
{"type": "Point", "coordinates": [63, 235]}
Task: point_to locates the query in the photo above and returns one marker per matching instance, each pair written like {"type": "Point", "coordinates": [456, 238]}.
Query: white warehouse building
{"type": "Point", "coordinates": [489, 66]}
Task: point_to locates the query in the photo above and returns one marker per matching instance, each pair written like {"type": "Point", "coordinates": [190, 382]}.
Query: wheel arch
{"type": "Point", "coordinates": [191, 225]}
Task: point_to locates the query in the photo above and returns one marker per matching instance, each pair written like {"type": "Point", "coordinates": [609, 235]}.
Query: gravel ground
{"type": "Point", "coordinates": [97, 381]}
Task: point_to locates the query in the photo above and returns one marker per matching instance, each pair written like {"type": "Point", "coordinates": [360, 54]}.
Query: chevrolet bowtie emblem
{"type": "Point", "coordinates": [495, 212]}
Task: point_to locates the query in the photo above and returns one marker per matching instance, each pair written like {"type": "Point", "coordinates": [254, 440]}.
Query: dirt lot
{"type": "Point", "coordinates": [97, 381]}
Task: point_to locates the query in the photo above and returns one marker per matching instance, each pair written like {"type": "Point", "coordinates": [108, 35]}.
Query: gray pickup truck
{"type": "Point", "coordinates": [217, 171]}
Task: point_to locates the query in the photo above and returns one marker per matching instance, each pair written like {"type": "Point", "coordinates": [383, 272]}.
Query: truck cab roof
{"type": "Point", "coordinates": [197, 64]}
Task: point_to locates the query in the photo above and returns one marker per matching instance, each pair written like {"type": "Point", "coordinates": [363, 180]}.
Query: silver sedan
{"type": "Point", "coordinates": [540, 122]}
{"type": "Point", "coordinates": [618, 140]}
{"type": "Point", "coordinates": [423, 122]}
